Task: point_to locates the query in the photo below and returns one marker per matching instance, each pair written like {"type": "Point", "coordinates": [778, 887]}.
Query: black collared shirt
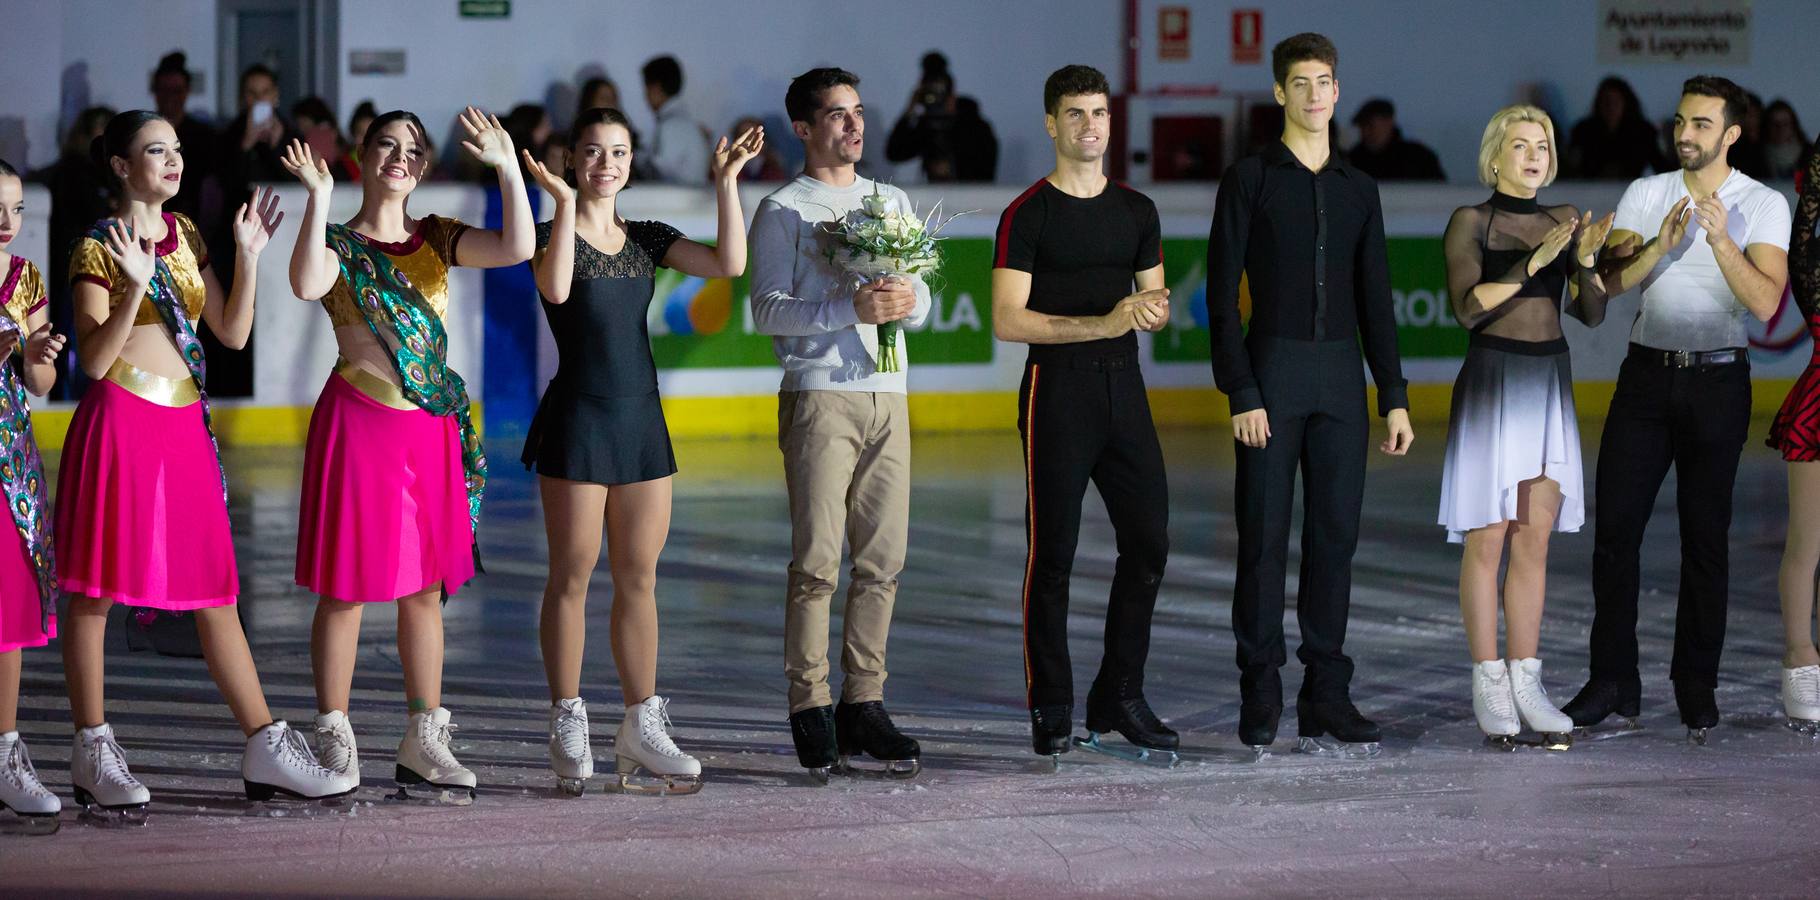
{"type": "Point", "coordinates": [1312, 247]}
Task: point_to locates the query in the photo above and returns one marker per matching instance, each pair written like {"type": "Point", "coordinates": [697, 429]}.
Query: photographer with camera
{"type": "Point", "coordinates": [945, 129]}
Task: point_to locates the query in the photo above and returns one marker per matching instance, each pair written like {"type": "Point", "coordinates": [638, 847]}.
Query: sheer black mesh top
{"type": "Point", "coordinates": [1490, 244]}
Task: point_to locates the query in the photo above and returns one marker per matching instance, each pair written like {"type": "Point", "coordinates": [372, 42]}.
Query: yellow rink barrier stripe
{"type": "Point", "coordinates": [756, 416]}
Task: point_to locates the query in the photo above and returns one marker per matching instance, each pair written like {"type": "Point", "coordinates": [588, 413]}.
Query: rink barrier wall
{"type": "Point", "coordinates": [719, 378]}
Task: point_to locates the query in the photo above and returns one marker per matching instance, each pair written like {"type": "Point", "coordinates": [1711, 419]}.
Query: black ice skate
{"type": "Point", "coordinates": [1599, 700]}
{"type": "Point", "coordinates": [1699, 711]}
{"type": "Point", "coordinates": [813, 732]}
{"type": "Point", "coordinates": [1258, 727]}
{"type": "Point", "coordinates": [1050, 727]}
{"type": "Point", "coordinates": [1151, 741]}
{"type": "Point", "coordinates": [867, 728]}
{"type": "Point", "coordinates": [1335, 728]}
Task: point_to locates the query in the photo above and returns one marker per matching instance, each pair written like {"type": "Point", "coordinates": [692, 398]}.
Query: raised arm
{"type": "Point", "coordinates": [727, 258]}
{"type": "Point", "coordinates": [102, 332]}
{"type": "Point", "coordinates": [515, 239]}
{"type": "Point", "coordinates": [554, 268]}
{"type": "Point", "coordinates": [1587, 287]}
{"type": "Point", "coordinates": [313, 265]}
{"type": "Point", "coordinates": [230, 315]}
{"type": "Point", "coordinates": [1628, 256]}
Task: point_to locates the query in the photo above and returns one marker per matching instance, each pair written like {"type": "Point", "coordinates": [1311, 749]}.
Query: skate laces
{"type": "Point", "coordinates": [337, 750]}
{"type": "Point", "coordinates": [435, 743]}
{"type": "Point", "coordinates": [19, 771]}
{"type": "Point", "coordinates": [295, 753]}
{"type": "Point", "coordinates": [1501, 700]}
{"type": "Point", "coordinates": [572, 732]}
{"type": "Point", "coordinates": [654, 728]}
{"type": "Point", "coordinates": [1807, 683]}
{"type": "Point", "coordinates": [1141, 711]}
{"type": "Point", "coordinates": [110, 761]}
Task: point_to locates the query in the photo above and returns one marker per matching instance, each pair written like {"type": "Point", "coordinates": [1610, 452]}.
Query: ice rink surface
{"type": "Point", "coordinates": [1644, 813]}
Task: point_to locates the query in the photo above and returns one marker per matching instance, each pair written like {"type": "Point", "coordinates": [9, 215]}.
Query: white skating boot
{"type": "Point", "coordinates": [424, 761]}
{"type": "Point", "coordinates": [1493, 705]}
{"type": "Point", "coordinates": [571, 758]}
{"type": "Point", "coordinates": [1536, 710]}
{"type": "Point", "coordinates": [102, 783]}
{"type": "Point", "coordinates": [644, 743]}
{"type": "Point", "coordinates": [21, 792]}
{"type": "Point", "coordinates": [278, 761]}
{"type": "Point", "coordinates": [1801, 699]}
{"type": "Point", "coordinates": [335, 748]}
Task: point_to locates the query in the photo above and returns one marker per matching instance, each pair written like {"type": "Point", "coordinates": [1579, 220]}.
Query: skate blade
{"type": "Point", "coordinates": [571, 787]}
{"type": "Point", "coordinates": [1336, 749]}
{"type": "Point", "coordinates": [647, 784]}
{"type": "Point", "coordinates": [21, 825]}
{"type": "Point", "coordinates": [1697, 736]}
{"type": "Point", "coordinates": [1807, 728]}
{"type": "Point", "coordinates": [1510, 743]}
{"type": "Point", "coordinates": [1625, 728]}
{"type": "Point", "coordinates": [895, 769]}
{"type": "Point", "coordinates": [1162, 759]}
{"type": "Point", "coordinates": [122, 817]}
{"type": "Point", "coordinates": [819, 774]}
{"type": "Point", "coordinates": [1259, 752]}
{"type": "Point", "coordinates": [280, 797]}
{"type": "Point", "coordinates": [414, 788]}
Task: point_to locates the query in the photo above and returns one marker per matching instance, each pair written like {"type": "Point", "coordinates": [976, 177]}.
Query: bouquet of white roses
{"type": "Point", "coordinates": [877, 241]}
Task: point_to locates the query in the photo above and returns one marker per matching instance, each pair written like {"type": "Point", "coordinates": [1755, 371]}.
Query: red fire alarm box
{"type": "Point", "coordinates": [1247, 35]}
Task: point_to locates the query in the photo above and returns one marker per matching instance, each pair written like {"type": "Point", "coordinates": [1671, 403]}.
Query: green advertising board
{"type": "Point", "coordinates": [1418, 286]}
{"type": "Point", "coordinates": [708, 324]}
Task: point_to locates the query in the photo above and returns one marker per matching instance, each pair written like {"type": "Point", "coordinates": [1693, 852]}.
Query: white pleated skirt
{"type": "Point", "coordinates": [1512, 420]}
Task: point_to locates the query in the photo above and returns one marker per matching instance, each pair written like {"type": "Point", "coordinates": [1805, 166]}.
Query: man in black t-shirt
{"type": "Point", "coordinates": [1068, 251]}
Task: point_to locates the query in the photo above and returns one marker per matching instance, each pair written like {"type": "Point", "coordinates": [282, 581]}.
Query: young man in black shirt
{"type": "Point", "coordinates": [1068, 252]}
{"type": "Point", "coordinates": [1307, 230]}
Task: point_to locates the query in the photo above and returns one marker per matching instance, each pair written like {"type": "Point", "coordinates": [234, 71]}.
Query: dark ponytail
{"type": "Point", "coordinates": [117, 139]}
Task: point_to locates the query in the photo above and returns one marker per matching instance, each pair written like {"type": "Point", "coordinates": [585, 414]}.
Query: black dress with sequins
{"type": "Point", "coordinates": [600, 419]}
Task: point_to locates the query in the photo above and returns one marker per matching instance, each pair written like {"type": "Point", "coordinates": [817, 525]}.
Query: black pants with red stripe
{"type": "Point", "coordinates": [1089, 420]}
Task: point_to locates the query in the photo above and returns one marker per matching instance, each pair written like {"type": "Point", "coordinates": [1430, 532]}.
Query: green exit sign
{"type": "Point", "coordinates": [486, 9]}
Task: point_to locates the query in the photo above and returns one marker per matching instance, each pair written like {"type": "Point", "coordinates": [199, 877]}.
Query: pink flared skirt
{"type": "Point", "coordinates": [20, 618]}
{"type": "Point", "coordinates": [141, 518]}
{"type": "Point", "coordinates": [385, 505]}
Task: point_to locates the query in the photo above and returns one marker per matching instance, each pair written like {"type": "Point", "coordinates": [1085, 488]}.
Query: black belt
{"type": "Point", "coordinates": [1115, 363]}
{"type": "Point", "coordinates": [1689, 359]}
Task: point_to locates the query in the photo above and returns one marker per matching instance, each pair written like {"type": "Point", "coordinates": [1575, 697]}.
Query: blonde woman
{"type": "Point", "coordinates": [1512, 473]}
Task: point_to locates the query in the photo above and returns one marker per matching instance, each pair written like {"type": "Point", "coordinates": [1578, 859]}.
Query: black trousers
{"type": "Point", "coordinates": [1314, 395]}
{"type": "Point", "coordinates": [1695, 420]}
{"type": "Point", "coordinates": [1081, 421]}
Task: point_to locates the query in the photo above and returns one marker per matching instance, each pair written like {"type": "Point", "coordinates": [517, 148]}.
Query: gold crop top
{"type": "Point", "coordinates": [21, 291]}
{"type": "Point", "coordinates": [183, 253]}
{"type": "Point", "coordinates": [425, 258]}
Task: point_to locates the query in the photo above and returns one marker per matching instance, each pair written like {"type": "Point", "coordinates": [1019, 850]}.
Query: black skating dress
{"type": "Point", "coordinates": [600, 419]}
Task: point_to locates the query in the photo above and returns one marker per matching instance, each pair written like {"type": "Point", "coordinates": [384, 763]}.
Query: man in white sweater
{"type": "Point", "coordinates": [843, 427]}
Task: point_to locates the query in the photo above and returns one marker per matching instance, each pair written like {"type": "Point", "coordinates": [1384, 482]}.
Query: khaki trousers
{"type": "Point", "coordinates": [847, 468]}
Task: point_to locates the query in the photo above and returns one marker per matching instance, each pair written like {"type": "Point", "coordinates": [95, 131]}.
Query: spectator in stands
{"type": "Point", "coordinates": [601, 93]}
{"type": "Point", "coordinates": [81, 193]}
{"type": "Point", "coordinates": [1784, 143]}
{"type": "Point", "coordinates": [530, 127]}
{"type": "Point", "coordinates": [315, 122]}
{"type": "Point", "coordinates": [679, 148]}
{"type": "Point", "coordinates": [363, 116]}
{"type": "Point", "coordinates": [1615, 141]}
{"type": "Point", "coordinates": [254, 141]}
{"type": "Point", "coordinates": [1383, 153]}
{"type": "Point", "coordinates": [946, 130]}
{"type": "Point", "coordinates": [171, 85]}
{"type": "Point", "coordinates": [1747, 155]}
{"type": "Point", "coordinates": [768, 165]}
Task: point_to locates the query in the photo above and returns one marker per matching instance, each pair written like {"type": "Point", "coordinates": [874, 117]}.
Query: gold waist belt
{"type": "Point", "coordinates": [373, 386]}
{"type": "Point", "coordinates": [174, 392]}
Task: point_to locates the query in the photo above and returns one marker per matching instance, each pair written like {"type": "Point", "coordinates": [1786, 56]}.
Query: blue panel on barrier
{"type": "Point", "coordinates": [510, 311]}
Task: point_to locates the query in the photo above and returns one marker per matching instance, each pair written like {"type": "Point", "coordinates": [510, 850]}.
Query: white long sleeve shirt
{"type": "Point", "coordinates": [806, 304]}
{"type": "Point", "coordinates": [679, 148]}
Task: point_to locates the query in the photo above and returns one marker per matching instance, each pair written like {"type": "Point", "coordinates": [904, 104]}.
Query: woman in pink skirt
{"type": "Point", "coordinates": [393, 473]}
{"type": "Point", "coordinates": [28, 590]}
{"type": "Point", "coordinates": [141, 502]}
